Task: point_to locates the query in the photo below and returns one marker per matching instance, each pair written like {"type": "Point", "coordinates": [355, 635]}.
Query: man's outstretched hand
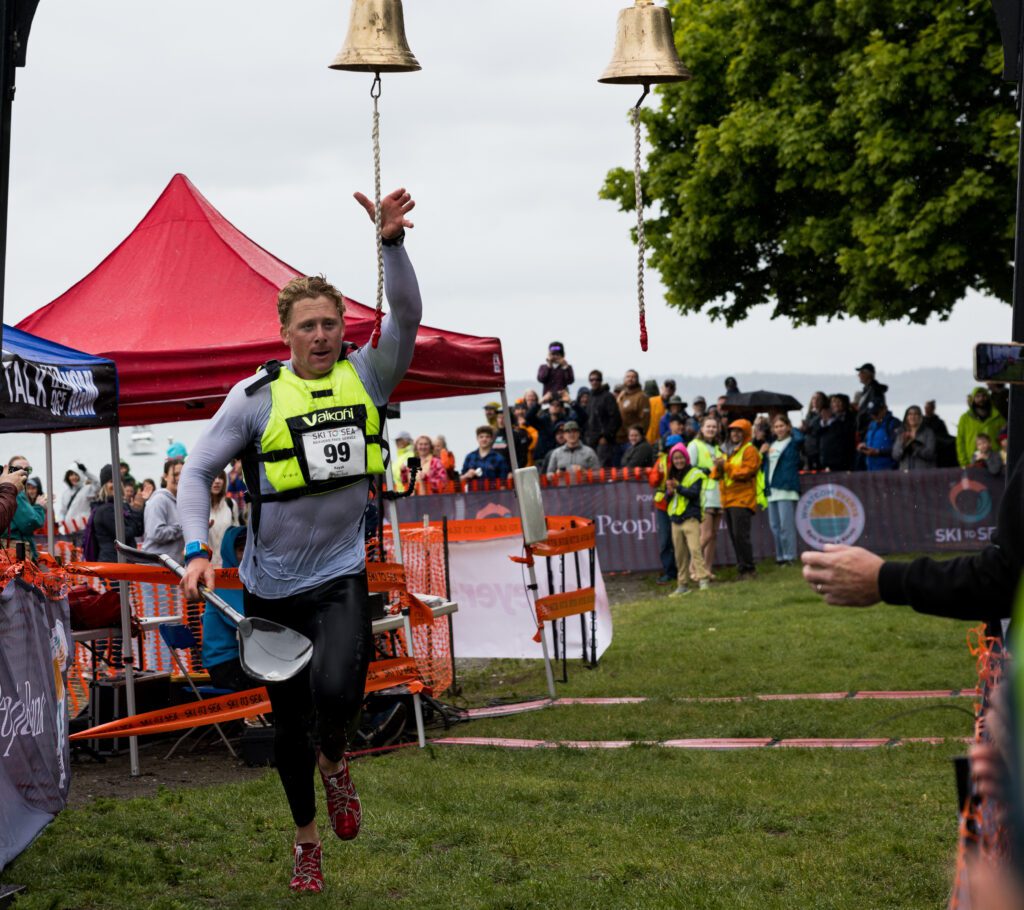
{"type": "Point", "coordinates": [844, 576]}
{"type": "Point", "coordinates": [393, 209]}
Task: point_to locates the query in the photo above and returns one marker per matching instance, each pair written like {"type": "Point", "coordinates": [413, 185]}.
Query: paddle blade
{"type": "Point", "coordinates": [271, 652]}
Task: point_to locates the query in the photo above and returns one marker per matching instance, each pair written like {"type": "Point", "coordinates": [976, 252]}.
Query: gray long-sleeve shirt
{"type": "Point", "coordinates": [162, 525]}
{"type": "Point", "coordinates": [564, 458]}
{"type": "Point", "coordinates": [307, 541]}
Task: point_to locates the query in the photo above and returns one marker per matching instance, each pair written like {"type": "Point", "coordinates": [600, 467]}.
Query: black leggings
{"type": "Point", "coordinates": [326, 699]}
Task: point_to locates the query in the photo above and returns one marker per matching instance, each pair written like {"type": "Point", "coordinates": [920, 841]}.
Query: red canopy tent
{"type": "Point", "coordinates": [185, 306]}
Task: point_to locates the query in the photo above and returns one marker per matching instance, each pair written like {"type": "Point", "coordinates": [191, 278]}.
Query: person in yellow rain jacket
{"type": "Point", "coordinates": [739, 470]}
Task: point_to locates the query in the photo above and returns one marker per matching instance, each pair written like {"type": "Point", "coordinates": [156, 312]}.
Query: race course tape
{"type": "Point", "coordinates": [537, 704]}
{"type": "Point", "coordinates": [713, 745]}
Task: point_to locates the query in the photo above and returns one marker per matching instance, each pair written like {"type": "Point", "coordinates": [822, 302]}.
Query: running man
{"type": "Point", "coordinates": [309, 434]}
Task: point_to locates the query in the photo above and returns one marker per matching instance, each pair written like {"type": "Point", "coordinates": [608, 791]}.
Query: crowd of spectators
{"type": "Point", "coordinates": [629, 425]}
{"type": "Point", "coordinates": [748, 460]}
{"type": "Point", "coordinates": [150, 509]}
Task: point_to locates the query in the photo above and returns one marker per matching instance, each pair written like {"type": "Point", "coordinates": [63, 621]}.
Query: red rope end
{"type": "Point", "coordinates": [643, 332]}
{"type": "Point", "coordinates": [375, 335]}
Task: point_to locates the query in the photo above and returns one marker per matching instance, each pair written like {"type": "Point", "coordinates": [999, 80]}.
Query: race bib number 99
{"type": "Point", "coordinates": [335, 452]}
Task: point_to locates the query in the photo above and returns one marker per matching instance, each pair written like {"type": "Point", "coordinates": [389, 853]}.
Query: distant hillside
{"type": "Point", "coordinates": [942, 385]}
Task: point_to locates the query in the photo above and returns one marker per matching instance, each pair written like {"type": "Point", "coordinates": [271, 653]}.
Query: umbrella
{"type": "Point", "coordinates": [761, 401]}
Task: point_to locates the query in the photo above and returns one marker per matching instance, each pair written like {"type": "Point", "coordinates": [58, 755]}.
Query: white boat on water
{"type": "Point", "coordinates": [142, 442]}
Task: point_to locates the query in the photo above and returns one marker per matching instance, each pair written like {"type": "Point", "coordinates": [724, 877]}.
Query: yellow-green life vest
{"type": "Point", "coordinates": [322, 434]}
{"type": "Point", "coordinates": [679, 503]}
{"type": "Point", "coordinates": [706, 455]}
{"type": "Point", "coordinates": [736, 458]}
{"type": "Point", "coordinates": [659, 494]}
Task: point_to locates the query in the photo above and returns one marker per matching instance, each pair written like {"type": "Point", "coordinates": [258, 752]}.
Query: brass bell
{"type": "Point", "coordinates": [376, 40]}
{"type": "Point", "coordinates": [645, 48]}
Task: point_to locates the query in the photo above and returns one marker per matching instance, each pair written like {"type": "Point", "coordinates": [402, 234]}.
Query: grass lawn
{"type": "Point", "coordinates": [644, 827]}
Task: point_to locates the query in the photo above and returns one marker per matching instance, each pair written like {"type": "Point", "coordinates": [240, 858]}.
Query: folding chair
{"type": "Point", "coordinates": [179, 637]}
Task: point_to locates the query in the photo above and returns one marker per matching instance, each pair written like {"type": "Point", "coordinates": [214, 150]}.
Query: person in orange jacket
{"type": "Point", "coordinates": [738, 469]}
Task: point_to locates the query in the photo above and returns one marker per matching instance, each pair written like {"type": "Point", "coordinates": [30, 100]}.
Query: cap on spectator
{"type": "Point", "coordinates": [556, 347]}
{"type": "Point", "coordinates": [403, 434]}
{"type": "Point", "coordinates": [34, 482]}
{"type": "Point", "coordinates": [106, 475]}
{"type": "Point", "coordinates": [559, 426]}
{"type": "Point", "coordinates": [866, 366]}
{"type": "Point", "coordinates": [673, 440]}
{"type": "Point", "coordinates": [570, 425]}
{"type": "Point", "coordinates": [176, 450]}
{"type": "Point", "coordinates": [492, 406]}
{"type": "Point", "coordinates": [699, 398]}
{"type": "Point", "coordinates": [675, 399]}
{"type": "Point", "coordinates": [651, 388]}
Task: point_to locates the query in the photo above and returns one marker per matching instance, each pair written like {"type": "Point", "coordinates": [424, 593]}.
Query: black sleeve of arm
{"type": "Point", "coordinates": [982, 586]}
{"type": "Point", "coordinates": [977, 587]}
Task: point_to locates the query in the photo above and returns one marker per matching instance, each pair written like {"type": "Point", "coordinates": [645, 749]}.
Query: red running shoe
{"type": "Point", "coordinates": [343, 806]}
{"type": "Point", "coordinates": [308, 875]}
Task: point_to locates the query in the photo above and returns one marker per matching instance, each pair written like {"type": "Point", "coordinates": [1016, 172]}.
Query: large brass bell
{"type": "Point", "coordinates": [645, 48]}
{"type": "Point", "coordinates": [376, 40]}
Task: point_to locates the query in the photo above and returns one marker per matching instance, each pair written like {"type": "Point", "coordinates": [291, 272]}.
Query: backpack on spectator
{"type": "Point", "coordinates": [90, 549]}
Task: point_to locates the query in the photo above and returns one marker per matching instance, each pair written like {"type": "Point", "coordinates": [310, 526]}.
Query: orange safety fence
{"type": "Point", "coordinates": [982, 831]}
{"type": "Point", "coordinates": [474, 529]}
{"type": "Point", "coordinates": [383, 674]}
{"type": "Point", "coordinates": [570, 603]}
{"type": "Point", "coordinates": [423, 569]}
{"type": "Point", "coordinates": [559, 479]}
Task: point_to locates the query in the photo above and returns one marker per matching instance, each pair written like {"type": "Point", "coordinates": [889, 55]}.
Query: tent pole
{"type": "Point", "coordinates": [510, 438]}
{"type": "Point", "coordinates": [49, 494]}
{"type": "Point", "coordinates": [127, 657]}
{"type": "Point", "coordinates": [396, 538]}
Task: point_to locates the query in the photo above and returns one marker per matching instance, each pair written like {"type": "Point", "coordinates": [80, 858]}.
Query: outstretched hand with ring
{"type": "Point", "coordinates": [844, 576]}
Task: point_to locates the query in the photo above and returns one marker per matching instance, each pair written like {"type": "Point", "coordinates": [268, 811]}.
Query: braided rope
{"type": "Point", "coordinates": [641, 240]}
{"type": "Point", "coordinates": [379, 313]}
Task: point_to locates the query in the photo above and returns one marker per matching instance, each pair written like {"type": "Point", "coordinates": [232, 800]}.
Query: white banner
{"type": "Point", "coordinates": [495, 616]}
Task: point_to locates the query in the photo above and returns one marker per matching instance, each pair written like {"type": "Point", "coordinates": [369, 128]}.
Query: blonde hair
{"type": "Point", "coordinates": [307, 287]}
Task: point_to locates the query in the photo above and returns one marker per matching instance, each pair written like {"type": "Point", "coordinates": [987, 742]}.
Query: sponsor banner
{"type": "Point", "coordinates": [35, 648]}
{"type": "Point", "coordinates": [885, 511]}
{"type": "Point", "coordinates": [495, 616]}
{"type": "Point", "coordinates": [73, 395]}
{"type": "Point", "coordinates": [900, 512]}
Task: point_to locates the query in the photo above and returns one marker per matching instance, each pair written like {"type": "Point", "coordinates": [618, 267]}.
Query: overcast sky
{"type": "Point", "coordinates": [503, 138]}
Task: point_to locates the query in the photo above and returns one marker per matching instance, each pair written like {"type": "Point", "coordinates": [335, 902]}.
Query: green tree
{"type": "Point", "coordinates": [830, 158]}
